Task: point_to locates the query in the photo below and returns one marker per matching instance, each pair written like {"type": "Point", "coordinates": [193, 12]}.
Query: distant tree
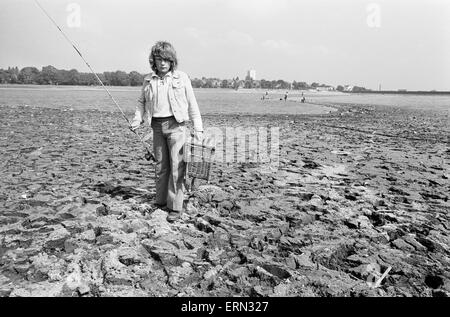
{"type": "Point", "coordinates": [281, 84]}
{"type": "Point", "coordinates": [300, 85]}
{"type": "Point", "coordinates": [49, 76]}
{"type": "Point", "coordinates": [208, 83]}
{"type": "Point", "coordinates": [136, 79]}
{"type": "Point", "coordinates": [273, 84]}
{"type": "Point", "coordinates": [196, 83]}
{"type": "Point", "coordinates": [4, 76]}
{"type": "Point", "coordinates": [236, 83]}
{"type": "Point", "coordinates": [303, 85]}
{"type": "Point", "coordinates": [14, 71]}
{"type": "Point", "coordinates": [359, 89]}
{"type": "Point", "coordinates": [265, 84]}
{"type": "Point", "coordinates": [102, 78]}
{"type": "Point", "coordinates": [224, 84]}
{"type": "Point", "coordinates": [28, 75]}
{"type": "Point", "coordinates": [88, 79]}
{"type": "Point", "coordinates": [9, 76]}
{"type": "Point", "coordinates": [109, 78]}
{"type": "Point", "coordinates": [120, 78]}
{"type": "Point", "coordinates": [63, 77]}
{"type": "Point", "coordinates": [74, 77]}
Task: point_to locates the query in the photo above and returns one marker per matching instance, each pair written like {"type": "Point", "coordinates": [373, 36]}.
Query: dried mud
{"type": "Point", "coordinates": [357, 192]}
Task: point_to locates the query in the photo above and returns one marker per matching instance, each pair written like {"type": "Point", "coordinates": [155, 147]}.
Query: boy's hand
{"type": "Point", "coordinates": [198, 136]}
{"type": "Point", "coordinates": [133, 127]}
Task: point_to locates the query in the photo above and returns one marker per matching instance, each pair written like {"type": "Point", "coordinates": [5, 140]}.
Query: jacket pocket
{"type": "Point", "coordinates": [177, 84]}
{"type": "Point", "coordinates": [179, 92]}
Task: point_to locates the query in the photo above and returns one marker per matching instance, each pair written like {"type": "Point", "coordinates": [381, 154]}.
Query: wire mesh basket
{"type": "Point", "coordinates": [199, 158]}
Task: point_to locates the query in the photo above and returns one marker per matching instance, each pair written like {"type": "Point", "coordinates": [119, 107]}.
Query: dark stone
{"type": "Point", "coordinates": [102, 210]}
{"type": "Point", "coordinates": [305, 196]}
{"type": "Point", "coordinates": [239, 240]}
{"type": "Point", "coordinates": [377, 219]}
{"type": "Point", "coordinates": [302, 218]}
{"type": "Point", "coordinates": [351, 223]}
{"type": "Point", "coordinates": [351, 196]}
{"type": "Point", "coordinates": [98, 231]}
{"type": "Point", "coordinates": [219, 197]}
{"type": "Point", "coordinates": [104, 239]}
{"type": "Point", "coordinates": [129, 260]}
{"type": "Point", "coordinates": [310, 164]}
{"type": "Point", "coordinates": [430, 245]}
{"type": "Point", "coordinates": [203, 225]}
{"type": "Point", "coordinates": [162, 251]}
{"type": "Point", "coordinates": [338, 259]}
{"type": "Point", "coordinates": [70, 245]}
{"type": "Point", "coordinates": [434, 281]}
{"type": "Point", "coordinates": [398, 191]}
{"type": "Point", "coordinates": [66, 215]}
{"type": "Point", "coordinates": [5, 292]}
{"type": "Point", "coordinates": [402, 245]}
{"type": "Point", "coordinates": [226, 204]}
{"type": "Point", "coordinates": [276, 270]}
{"type": "Point", "coordinates": [57, 239]}
{"type": "Point", "coordinates": [238, 273]}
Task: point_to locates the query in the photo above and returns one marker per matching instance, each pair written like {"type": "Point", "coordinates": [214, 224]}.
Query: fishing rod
{"type": "Point", "coordinates": [149, 155]}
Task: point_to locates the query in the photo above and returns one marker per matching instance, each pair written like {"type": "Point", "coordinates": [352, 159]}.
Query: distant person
{"type": "Point", "coordinates": [303, 99]}
{"type": "Point", "coordinates": [285, 96]}
{"type": "Point", "coordinates": [167, 101]}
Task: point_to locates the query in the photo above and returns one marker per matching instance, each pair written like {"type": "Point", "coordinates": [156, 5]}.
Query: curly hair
{"type": "Point", "coordinates": [165, 51]}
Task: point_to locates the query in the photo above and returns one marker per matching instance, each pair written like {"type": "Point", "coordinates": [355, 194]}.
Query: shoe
{"type": "Point", "coordinates": [159, 206]}
{"type": "Point", "coordinates": [173, 216]}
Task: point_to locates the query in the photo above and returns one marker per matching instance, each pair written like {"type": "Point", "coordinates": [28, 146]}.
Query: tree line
{"type": "Point", "coordinates": [50, 75]}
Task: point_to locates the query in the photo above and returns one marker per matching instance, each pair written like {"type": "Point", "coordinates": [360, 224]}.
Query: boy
{"type": "Point", "coordinates": [167, 101]}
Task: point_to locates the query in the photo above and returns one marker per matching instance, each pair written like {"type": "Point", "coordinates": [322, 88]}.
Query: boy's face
{"type": "Point", "coordinates": [162, 65]}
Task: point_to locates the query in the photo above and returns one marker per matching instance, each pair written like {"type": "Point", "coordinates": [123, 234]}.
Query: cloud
{"type": "Point", "coordinates": [282, 46]}
{"type": "Point", "coordinates": [296, 49]}
{"type": "Point", "coordinates": [197, 35]}
{"type": "Point", "coordinates": [232, 37]}
{"type": "Point", "coordinates": [257, 7]}
{"type": "Point", "coordinates": [239, 38]}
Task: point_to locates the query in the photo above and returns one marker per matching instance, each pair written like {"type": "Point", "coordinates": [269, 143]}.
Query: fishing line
{"type": "Point", "coordinates": [149, 155]}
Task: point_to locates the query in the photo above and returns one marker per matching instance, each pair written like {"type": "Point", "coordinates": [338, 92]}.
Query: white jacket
{"type": "Point", "coordinates": [181, 98]}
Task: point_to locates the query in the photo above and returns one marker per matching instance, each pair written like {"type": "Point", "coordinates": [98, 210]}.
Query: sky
{"type": "Point", "coordinates": [397, 44]}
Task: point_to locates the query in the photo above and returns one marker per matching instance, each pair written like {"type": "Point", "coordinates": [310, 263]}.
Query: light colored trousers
{"type": "Point", "coordinates": [168, 140]}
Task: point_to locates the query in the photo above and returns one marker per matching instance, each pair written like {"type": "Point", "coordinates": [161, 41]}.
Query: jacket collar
{"type": "Point", "coordinates": [175, 74]}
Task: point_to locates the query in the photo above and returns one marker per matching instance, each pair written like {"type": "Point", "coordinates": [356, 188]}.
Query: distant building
{"type": "Point", "coordinates": [251, 75]}
{"type": "Point", "coordinates": [348, 88]}
{"type": "Point", "coordinates": [325, 88]}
